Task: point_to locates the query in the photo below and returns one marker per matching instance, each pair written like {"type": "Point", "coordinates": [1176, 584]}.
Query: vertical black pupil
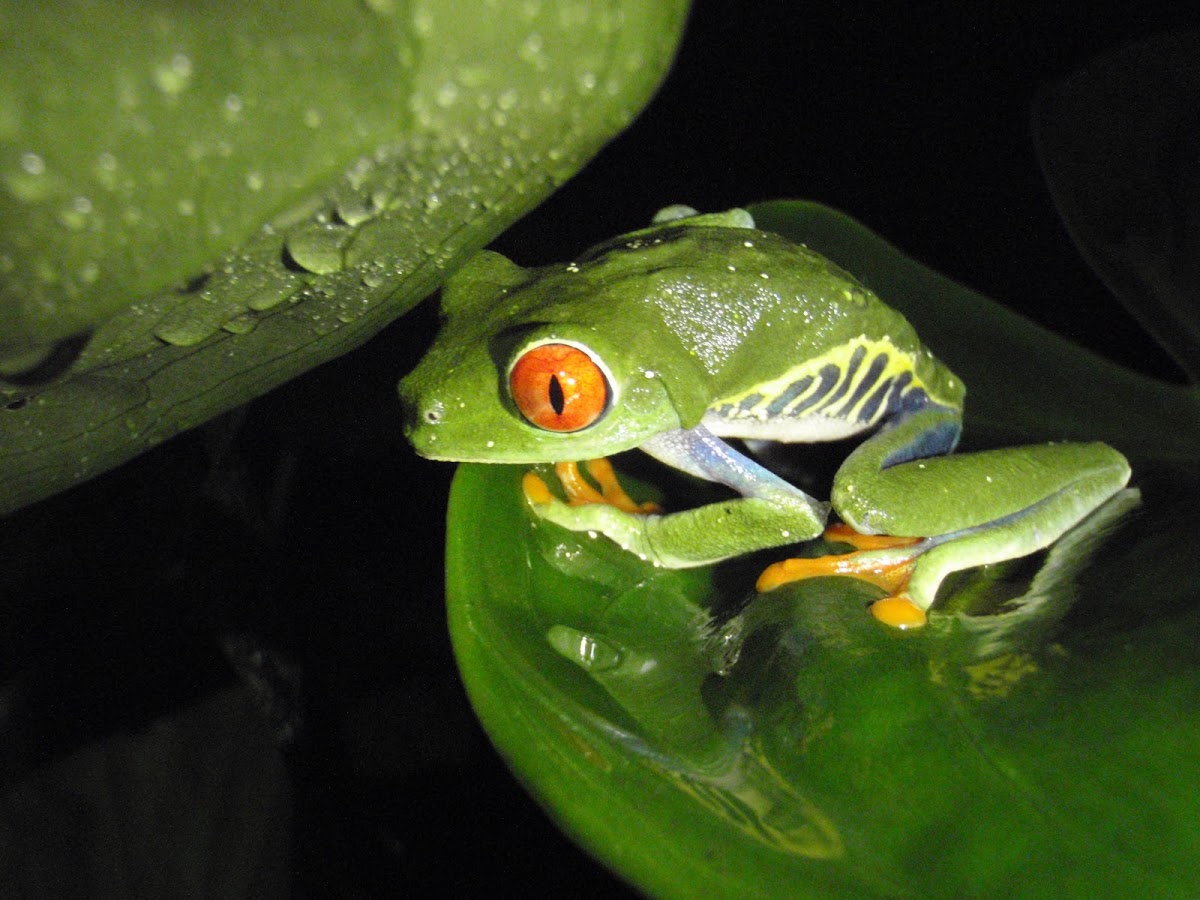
{"type": "Point", "coordinates": [557, 400]}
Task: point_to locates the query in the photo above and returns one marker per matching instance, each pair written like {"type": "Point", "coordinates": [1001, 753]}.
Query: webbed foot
{"type": "Point", "coordinates": [580, 491]}
{"type": "Point", "coordinates": [884, 561]}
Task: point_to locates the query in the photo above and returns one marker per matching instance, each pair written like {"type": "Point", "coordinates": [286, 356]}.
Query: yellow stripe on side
{"type": "Point", "coordinates": [826, 386]}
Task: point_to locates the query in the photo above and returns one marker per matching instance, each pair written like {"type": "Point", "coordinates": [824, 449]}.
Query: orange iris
{"type": "Point", "coordinates": [558, 387]}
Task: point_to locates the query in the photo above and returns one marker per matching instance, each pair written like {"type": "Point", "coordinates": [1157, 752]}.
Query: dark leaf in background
{"type": "Point", "coordinates": [1119, 142]}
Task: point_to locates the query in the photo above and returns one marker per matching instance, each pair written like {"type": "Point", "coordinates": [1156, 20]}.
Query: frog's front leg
{"type": "Point", "coordinates": [769, 513]}
{"type": "Point", "coordinates": [969, 510]}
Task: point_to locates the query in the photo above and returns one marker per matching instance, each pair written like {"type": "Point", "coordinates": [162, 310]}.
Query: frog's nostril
{"type": "Point", "coordinates": [420, 415]}
{"type": "Point", "coordinates": [431, 413]}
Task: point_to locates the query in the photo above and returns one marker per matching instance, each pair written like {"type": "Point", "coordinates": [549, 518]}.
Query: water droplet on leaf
{"type": "Point", "coordinates": [356, 210]}
{"type": "Point", "coordinates": [184, 333]}
{"type": "Point", "coordinates": [583, 649]}
{"type": "Point", "coordinates": [317, 248]}
{"type": "Point", "coordinates": [173, 77]}
{"type": "Point", "coordinates": [75, 216]}
{"type": "Point", "coordinates": [531, 51]}
{"type": "Point", "coordinates": [33, 164]}
{"type": "Point", "coordinates": [273, 294]}
{"type": "Point", "coordinates": [243, 324]}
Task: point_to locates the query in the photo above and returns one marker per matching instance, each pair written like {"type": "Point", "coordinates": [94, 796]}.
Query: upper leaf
{"type": "Point", "coordinates": [230, 199]}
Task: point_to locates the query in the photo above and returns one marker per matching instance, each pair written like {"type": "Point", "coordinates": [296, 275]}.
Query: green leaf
{"type": "Point", "coordinates": [1038, 737]}
{"type": "Point", "coordinates": [802, 748]}
{"type": "Point", "coordinates": [224, 201]}
{"type": "Point", "coordinates": [1117, 143]}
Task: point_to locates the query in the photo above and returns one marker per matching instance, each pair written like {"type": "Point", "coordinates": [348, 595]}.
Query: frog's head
{"type": "Point", "coordinates": [530, 368]}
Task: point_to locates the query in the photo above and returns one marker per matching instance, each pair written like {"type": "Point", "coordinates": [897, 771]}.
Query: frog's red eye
{"type": "Point", "coordinates": [559, 387]}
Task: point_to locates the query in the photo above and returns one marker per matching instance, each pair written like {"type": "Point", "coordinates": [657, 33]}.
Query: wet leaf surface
{"type": "Point", "coordinates": [236, 199]}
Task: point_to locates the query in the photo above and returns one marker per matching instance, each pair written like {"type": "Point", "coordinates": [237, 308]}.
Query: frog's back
{"type": "Point", "coordinates": [789, 346]}
{"type": "Point", "coordinates": [797, 349]}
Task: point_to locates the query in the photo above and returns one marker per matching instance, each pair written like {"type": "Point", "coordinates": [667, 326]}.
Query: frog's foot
{"type": "Point", "coordinates": [840, 533]}
{"type": "Point", "coordinates": [581, 492]}
{"type": "Point", "coordinates": [884, 561]}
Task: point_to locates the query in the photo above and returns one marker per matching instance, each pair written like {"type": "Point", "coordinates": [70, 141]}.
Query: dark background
{"type": "Point", "coordinates": [304, 525]}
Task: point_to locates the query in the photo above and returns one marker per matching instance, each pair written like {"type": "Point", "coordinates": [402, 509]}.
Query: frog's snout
{"type": "Point", "coordinates": [420, 413]}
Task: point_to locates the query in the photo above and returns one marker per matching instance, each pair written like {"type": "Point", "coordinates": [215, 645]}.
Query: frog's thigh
{"type": "Point", "coordinates": [946, 494]}
{"type": "Point", "coordinates": [1011, 537]}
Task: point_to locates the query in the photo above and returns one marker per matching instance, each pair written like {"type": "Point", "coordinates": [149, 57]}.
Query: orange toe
{"type": "Point", "coordinates": [898, 612]}
{"type": "Point", "coordinates": [890, 576]}
{"type": "Point", "coordinates": [611, 491]}
{"type": "Point", "coordinates": [844, 534]}
{"type": "Point", "coordinates": [580, 491]}
{"type": "Point", "coordinates": [535, 489]}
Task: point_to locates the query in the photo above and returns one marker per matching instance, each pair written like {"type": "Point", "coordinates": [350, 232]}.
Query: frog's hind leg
{"type": "Point", "coordinates": [884, 561]}
{"type": "Point", "coordinates": [968, 510]}
{"type": "Point", "coordinates": [1020, 533]}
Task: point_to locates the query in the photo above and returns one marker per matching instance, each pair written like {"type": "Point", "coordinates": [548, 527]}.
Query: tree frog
{"type": "Point", "coordinates": [674, 339]}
